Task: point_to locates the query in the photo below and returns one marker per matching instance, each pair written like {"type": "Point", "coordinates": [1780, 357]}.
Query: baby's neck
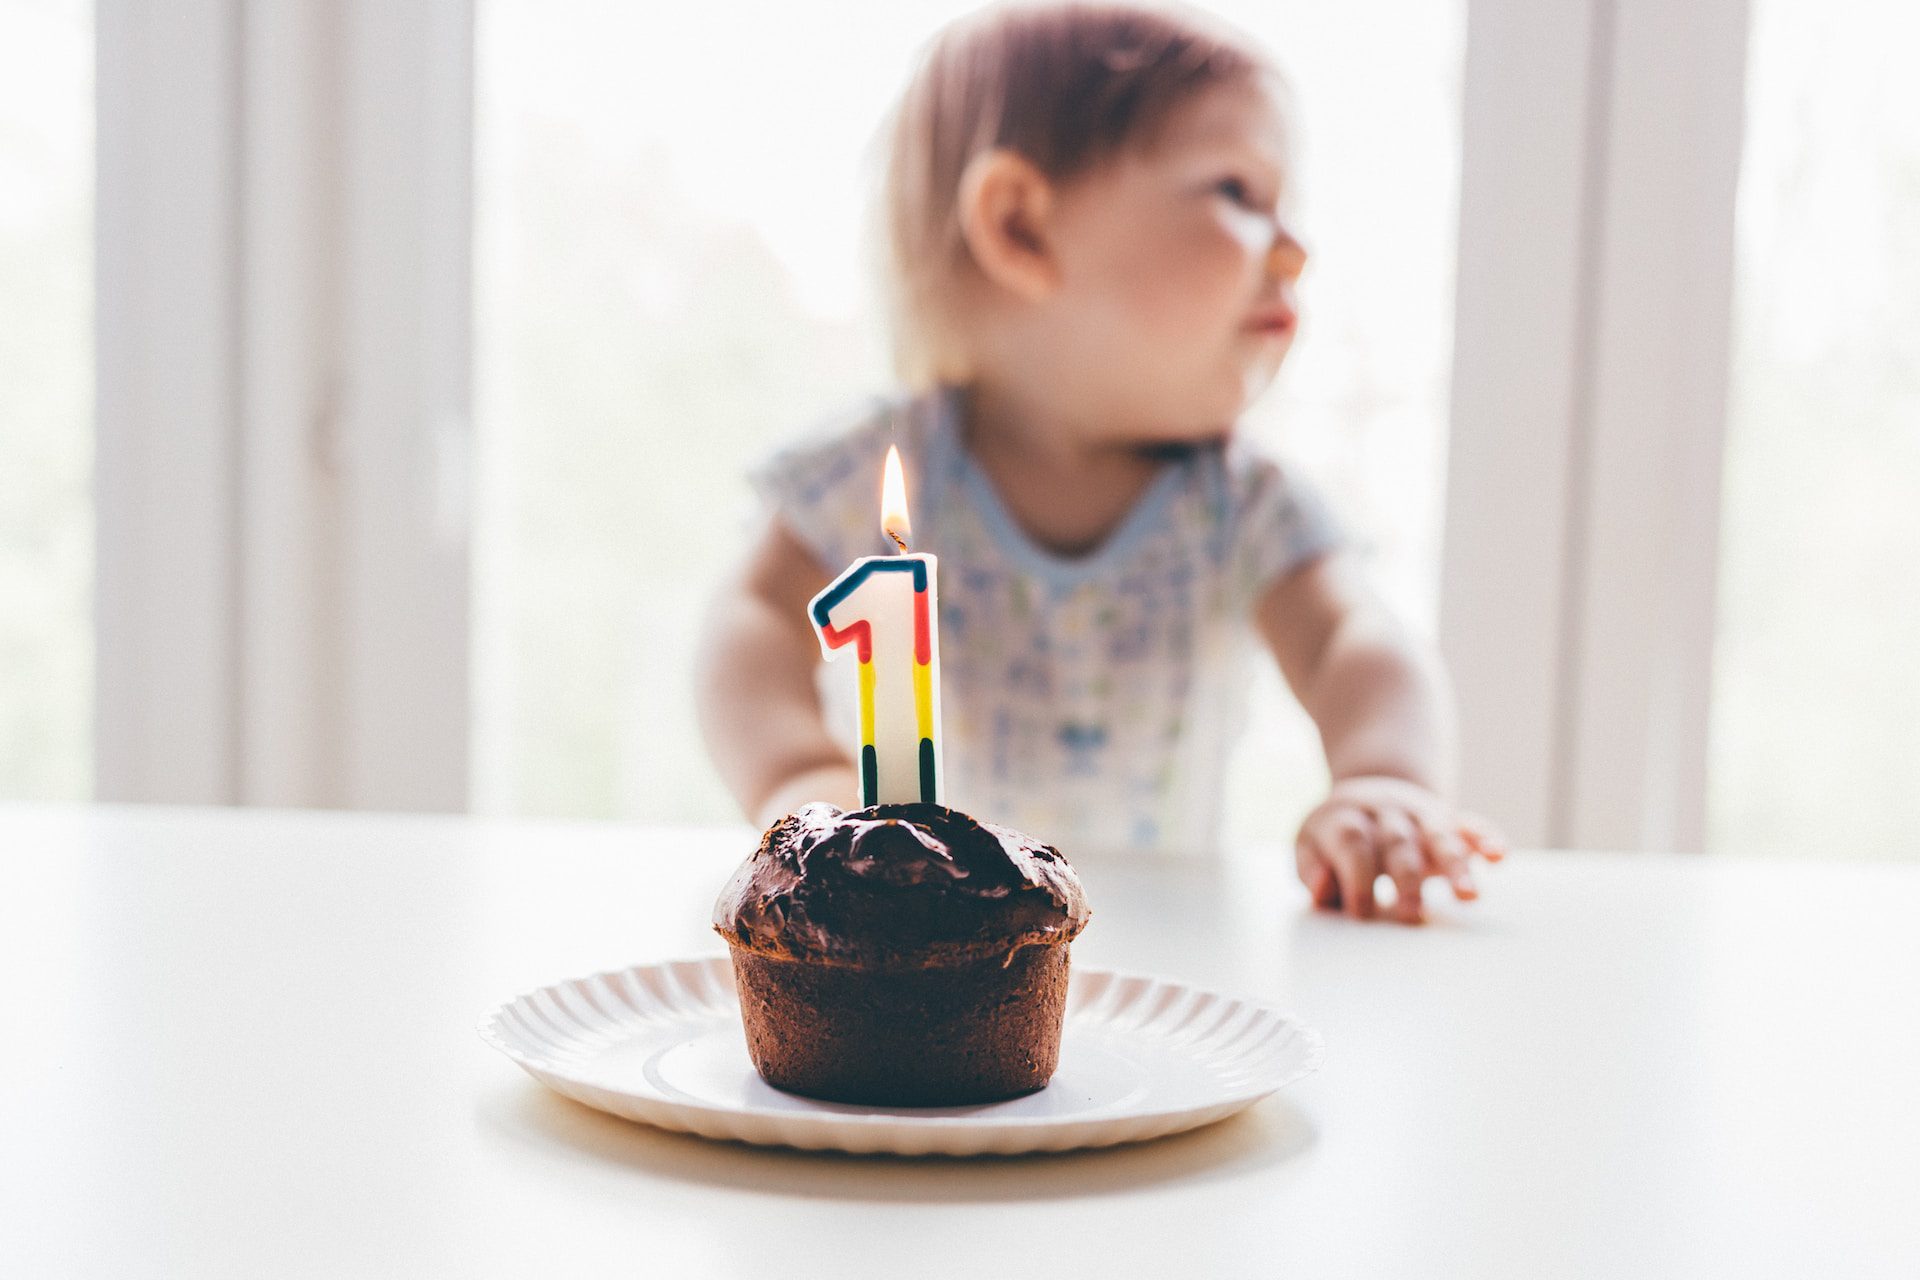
{"type": "Point", "coordinates": [1066, 487]}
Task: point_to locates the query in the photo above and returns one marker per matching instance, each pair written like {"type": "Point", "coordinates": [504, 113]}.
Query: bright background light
{"type": "Point", "coordinates": [1817, 664]}
{"type": "Point", "coordinates": [46, 399]}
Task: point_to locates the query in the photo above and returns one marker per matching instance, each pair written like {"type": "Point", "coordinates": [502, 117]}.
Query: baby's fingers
{"type": "Point", "coordinates": [1400, 857]}
{"type": "Point", "coordinates": [1449, 857]}
{"type": "Point", "coordinates": [1479, 833]}
{"type": "Point", "coordinates": [1345, 842]}
{"type": "Point", "coordinates": [1316, 872]}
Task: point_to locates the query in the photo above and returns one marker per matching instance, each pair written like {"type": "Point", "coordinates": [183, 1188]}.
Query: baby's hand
{"type": "Point", "coordinates": [1377, 826]}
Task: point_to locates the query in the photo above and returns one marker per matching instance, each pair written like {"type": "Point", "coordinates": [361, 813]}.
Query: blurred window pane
{"type": "Point", "coordinates": [1816, 712]}
{"type": "Point", "coordinates": [46, 399]}
{"type": "Point", "coordinates": [671, 277]}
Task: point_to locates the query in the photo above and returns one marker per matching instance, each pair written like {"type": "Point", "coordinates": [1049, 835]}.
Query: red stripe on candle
{"type": "Point", "coordinates": [861, 633]}
{"type": "Point", "coordinates": [922, 630]}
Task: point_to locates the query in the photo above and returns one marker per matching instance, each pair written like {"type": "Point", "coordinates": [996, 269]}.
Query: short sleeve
{"type": "Point", "coordinates": [825, 486]}
{"type": "Point", "coordinates": [1280, 522]}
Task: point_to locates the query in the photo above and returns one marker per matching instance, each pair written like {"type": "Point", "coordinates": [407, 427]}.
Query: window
{"type": "Point", "coordinates": [1817, 673]}
{"type": "Point", "coordinates": [46, 393]}
{"type": "Point", "coordinates": [670, 278]}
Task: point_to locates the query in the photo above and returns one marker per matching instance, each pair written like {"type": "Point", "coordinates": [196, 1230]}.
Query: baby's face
{"type": "Point", "coordinates": [1177, 275]}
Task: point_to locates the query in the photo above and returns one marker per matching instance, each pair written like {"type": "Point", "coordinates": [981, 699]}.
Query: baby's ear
{"type": "Point", "coordinates": [1006, 204]}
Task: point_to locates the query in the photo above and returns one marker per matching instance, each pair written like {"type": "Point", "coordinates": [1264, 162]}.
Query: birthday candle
{"type": "Point", "coordinates": [887, 609]}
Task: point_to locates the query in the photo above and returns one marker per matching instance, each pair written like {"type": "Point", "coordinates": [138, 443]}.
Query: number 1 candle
{"type": "Point", "coordinates": [887, 608]}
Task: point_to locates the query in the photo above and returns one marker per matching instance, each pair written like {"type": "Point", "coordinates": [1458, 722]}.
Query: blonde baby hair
{"type": "Point", "coordinates": [1066, 86]}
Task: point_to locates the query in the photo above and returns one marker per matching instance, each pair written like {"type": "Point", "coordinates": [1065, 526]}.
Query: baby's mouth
{"type": "Point", "coordinates": [1273, 320]}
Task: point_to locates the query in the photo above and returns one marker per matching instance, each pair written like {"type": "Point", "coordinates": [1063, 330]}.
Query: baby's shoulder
{"type": "Point", "coordinates": [851, 441]}
{"type": "Point", "coordinates": [1254, 486]}
{"type": "Point", "coordinates": [1274, 516]}
{"type": "Point", "coordinates": [824, 482]}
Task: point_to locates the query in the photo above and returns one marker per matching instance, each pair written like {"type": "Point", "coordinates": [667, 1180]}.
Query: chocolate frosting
{"type": "Point", "coordinates": [898, 885]}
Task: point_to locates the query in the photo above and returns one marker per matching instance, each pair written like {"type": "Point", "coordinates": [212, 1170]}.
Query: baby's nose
{"type": "Point", "coordinates": [1288, 257]}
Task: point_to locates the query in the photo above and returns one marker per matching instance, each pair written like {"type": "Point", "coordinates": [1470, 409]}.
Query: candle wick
{"type": "Point", "coordinates": [898, 541]}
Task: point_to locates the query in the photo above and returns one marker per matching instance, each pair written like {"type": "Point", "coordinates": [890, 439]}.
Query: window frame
{"type": "Point", "coordinates": [1600, 157]}
{"type": "Point", "coordinates": [283, 366]}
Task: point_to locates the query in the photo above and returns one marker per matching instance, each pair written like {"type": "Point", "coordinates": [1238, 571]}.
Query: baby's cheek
{"type": "Point", "coordinates": [1207, 284]}
{"type": "Point", "coordinates": [1180, 299]}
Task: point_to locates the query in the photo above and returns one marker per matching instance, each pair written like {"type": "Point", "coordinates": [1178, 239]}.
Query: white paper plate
{"type": "Point", "coordinates": [1140, 1057]}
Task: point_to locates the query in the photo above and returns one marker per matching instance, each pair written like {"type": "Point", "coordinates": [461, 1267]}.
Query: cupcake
{"type": "Point", "coordinates": [901, 955]}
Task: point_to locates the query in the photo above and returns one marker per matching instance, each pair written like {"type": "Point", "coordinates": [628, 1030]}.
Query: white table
{"type": "Point", "coordinates": [243, 1044]}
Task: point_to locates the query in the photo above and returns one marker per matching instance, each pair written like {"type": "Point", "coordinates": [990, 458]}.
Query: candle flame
{"type": "Point", "coordinates": [893, 502]}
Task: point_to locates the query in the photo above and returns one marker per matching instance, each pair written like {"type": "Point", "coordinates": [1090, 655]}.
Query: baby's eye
{"type": "Point", "coordinates": [1236, 190]}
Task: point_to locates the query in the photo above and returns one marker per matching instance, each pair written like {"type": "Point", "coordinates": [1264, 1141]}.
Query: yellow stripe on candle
{"type": "Point", "coordinates": [923, 697]}
{"type": "Point", "coordinates": [866, 704]}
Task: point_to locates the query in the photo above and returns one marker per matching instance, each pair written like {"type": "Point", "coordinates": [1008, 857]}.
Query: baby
{"type": "Point", "coordinates": [1091, 280]}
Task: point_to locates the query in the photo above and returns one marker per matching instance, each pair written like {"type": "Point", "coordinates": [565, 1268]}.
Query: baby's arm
{"type": "Point", "coordinates": [759, 710]}
{"type": "Point", "coordinates": [1380, 699]}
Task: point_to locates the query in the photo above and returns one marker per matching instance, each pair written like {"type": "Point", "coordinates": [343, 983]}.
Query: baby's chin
{"type": "Point", "coordinates": [1179, 445]}
{"type": "Point", "coordinates": [1205, 417]}
{"type": "Point", "coordinates": [1255, 382]}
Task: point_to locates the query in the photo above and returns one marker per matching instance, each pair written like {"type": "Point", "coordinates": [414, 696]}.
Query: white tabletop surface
{"type": "Point", "coordinates": [243, 1044]}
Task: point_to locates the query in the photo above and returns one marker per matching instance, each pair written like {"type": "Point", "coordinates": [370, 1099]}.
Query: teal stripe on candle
{"type": "Point", "coordinates": [869, 777]}
{"type": "Point", "coordinates": [926, 772]}
{"type": "Point", "coordinates": [823, 604]}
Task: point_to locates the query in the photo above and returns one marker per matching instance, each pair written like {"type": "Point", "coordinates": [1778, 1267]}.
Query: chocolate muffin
{"type": "Point", "coordinates": [901, 955]}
